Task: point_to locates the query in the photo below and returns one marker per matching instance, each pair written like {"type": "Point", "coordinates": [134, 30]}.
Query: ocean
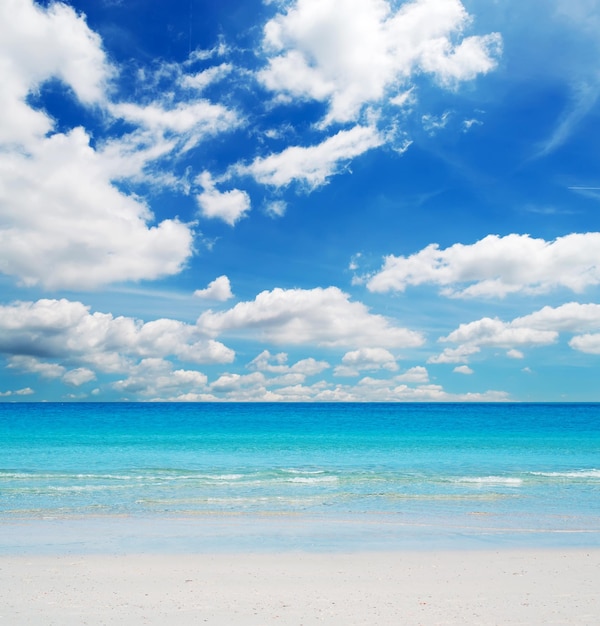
{"type": "Point", "coordinates": [218, 476]}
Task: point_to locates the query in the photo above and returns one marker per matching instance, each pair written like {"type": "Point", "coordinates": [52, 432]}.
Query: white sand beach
{"type": "Point", "coordinates": [410, 588]}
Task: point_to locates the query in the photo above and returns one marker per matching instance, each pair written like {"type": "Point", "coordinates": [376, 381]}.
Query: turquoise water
{"type": "Point", "coordinates": [300, 475]}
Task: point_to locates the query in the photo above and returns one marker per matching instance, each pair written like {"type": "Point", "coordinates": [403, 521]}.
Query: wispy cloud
{"type": "Point", "coordinates": [312, 165]}
{"type": "Point", "coordinates": [584, 96]}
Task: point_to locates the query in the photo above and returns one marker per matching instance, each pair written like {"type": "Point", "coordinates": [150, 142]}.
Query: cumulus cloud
{"type": "Point", "coordinates": [219, 289]}
{"type": "Point", "coordinates": [36, 44]}
{"type": "Point", "coordinates": [496, 266]}
{"type": "Point", "coordinates": [463, 369]}
{"type": "Point", "coordinates": [229, 206]}
{"type": "Point", "coordinates": [79, 376]}
{"type": "Point", "coordinates": [410, 386]}
{"type": "Point", "coordinates": [357, 52]}
{"type": "Point", "coordinates": [267, 362]}
{"type": "Point", "coordinates": [378, 390]}
{"type": "Point", "coordinates": [237, 382]}
{"type": "Point", "coordinates": [312, 165]}
{"type": "Point", "coordinates": [355, 361]}
{"type": "Point", "coordinates": [454, 355]}
{"type": "Point", "coordinates": [417, 374]}
{"type": "Point", "coordinates": [540, 328]}
{"type": "Point", "coordinates": [570, 317]}
{"type": "Point", "coordinates": [277, 364]}
{"type": "Point", "coordinates": [155, 378]}
{"type": "Point", "coordinates": [319, 316]}
{"type": "Point", "coordinates": [495, 332]}
{"type": "Point", "coordinates": [64, 221]}
{"type": "Point", "coordinates": [590, 343]}
{"type": "Point", "coordinates": [35, 366]}
{"type": "Point", "coordinates": [65, 225]}
{"type": "Point", "coordinates": [45, 335]}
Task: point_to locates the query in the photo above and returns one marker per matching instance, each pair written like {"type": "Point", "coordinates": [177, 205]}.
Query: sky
{"type": "Point", "coordinates": [299, 200]}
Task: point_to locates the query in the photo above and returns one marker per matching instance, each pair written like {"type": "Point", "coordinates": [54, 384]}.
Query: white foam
{"type": "Point", "coordinates": [591, 473]}
{"type": "Point", "coordinates": [491, 480]}
{"type": "Point", "coordinates": [312, 481]}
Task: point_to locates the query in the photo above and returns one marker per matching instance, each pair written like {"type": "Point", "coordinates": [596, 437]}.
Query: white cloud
{"type": "Point", "coordinates": [64, 332]}
{"type": "Point", "coordinates": [64, 224]}
{"type": "Point", "coordinates": [405, 99]}
{"type": "Point", "coordinates": [358, 52]}
{"type": "Point", "coordinates": [433, 123]}
{"type": "Point", "coordinates": [590, 343]}
{"type": "Point", "coordinates": [324, 317]}
{"type": "Point", "coordinates": [165, 126]}
{"type": "Point", "coordinates": [187, 397]}
{"type": "Point", "coordinates": [26, 391]}
{"type": "Point", "coordinates": [156, 377]}
{"type": "Point", "coordinates": [219, 289]}
{"type": "Point", "coordinates": [202, 55]}
{"type": "Point", "coordinates": [584, 98]}
{"type": "Point", "coordinates": [201, 80]}
{"type": "Point", "coordinates": [36, 44]}
{"type": "Point", "coordinates": [277, 364]}
{"type": "Point", "coordinates": [236, 382]}
{"type": "Point", "coordinates": [495, 332]}
{"type": "Point", "coordinates": [201, 116]}
{"type": "Point", "coordinates": [229, 206]}
{"type": "Point", "coordinates": [276, 208]}
{"type": "Point", "coordinates": [454, 355]}
{"type": "Point", "coordinates": [309, 367]}
{"type": "Point", "coordinates": [354, 261]}
{"type": "Point", "coordinates": [418, 374]}
{"type": "Point", "coordinates": [312, 165]}
{"type": "Point", "coordinates": [463, 369]}
{"type": "Point", "coordinates": [540, 328]}
{"type": "Point", "coordinates": [370, 389]}
{"type": "Point", "coordinates": [355, 361]}
{"type": "Point", "coordinates": [411, 386]}
{"type": "Point", "coordinates": [35, 366]}
{"type": "Point", "coordinates": [79, 376]}
{"type": "Point", "coordinates": [267, 362]}
{"type": "Point", "coordinates": [496, 266]}
{"type": "Point", "coordinates": [570, 317]}
{"type": "Point", "coordinates": [468, 124]}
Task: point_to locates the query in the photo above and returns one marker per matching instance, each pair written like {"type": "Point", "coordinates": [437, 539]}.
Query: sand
{"type": "Point", "coordinates": [399, 588]}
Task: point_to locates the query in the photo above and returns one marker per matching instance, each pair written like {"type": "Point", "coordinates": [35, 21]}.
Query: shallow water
{"type": "Point", "coordinates": [299, 475]}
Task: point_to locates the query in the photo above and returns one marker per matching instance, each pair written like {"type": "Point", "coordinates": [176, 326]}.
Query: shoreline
{"type": "Point", "coordinates": [274, 533]}
{"type": "Point", "coordinates": [534, 586]}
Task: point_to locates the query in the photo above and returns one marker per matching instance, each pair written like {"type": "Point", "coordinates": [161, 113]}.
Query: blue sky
{"type": "Point", "coordinates": [299, 200]}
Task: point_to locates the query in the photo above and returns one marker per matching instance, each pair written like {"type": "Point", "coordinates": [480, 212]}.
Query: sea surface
{"type": "Point", "coordinates": [179, 477]}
